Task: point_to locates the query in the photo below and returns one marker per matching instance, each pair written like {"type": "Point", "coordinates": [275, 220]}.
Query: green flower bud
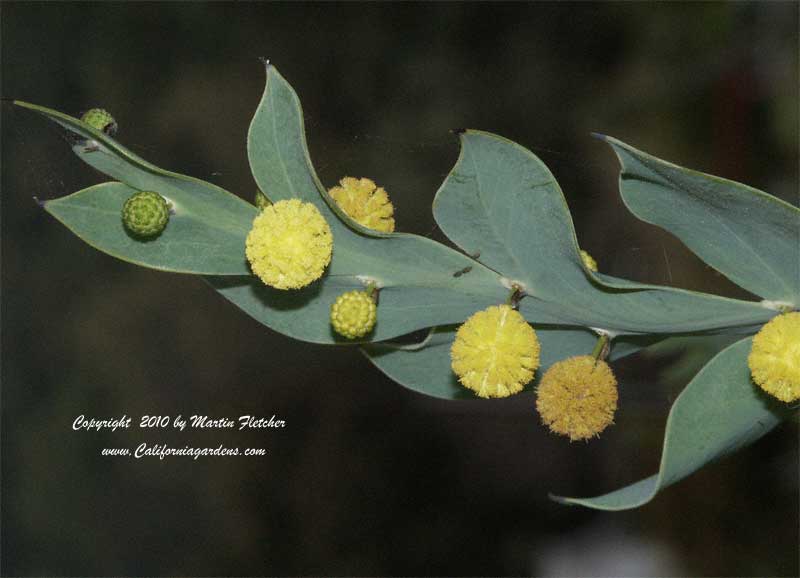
{"type": "Point", "coordinates": [354, 314]}
{"type": "Point", "coordinates": [145, 214]}
{"type": "Point", "coordinates": [101, 120]}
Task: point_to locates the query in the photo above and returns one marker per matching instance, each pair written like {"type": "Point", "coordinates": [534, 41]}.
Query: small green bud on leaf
{"type": "Point", "coordinates": [145, 214]}
{"type": "Point", "coordinates": [354, 314]}
{"type": "Point", "coordinates": [101, 120]}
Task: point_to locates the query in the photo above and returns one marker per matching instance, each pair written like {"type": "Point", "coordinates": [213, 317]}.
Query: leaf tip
{"type": "Point", "coordinates": [458, 131]}
{"type": "Point", "coordinates": [559, 499]}
{"type": "Point", "coordinates": [39, 202]}
{"type": "Point", "coordinates": [22, 103]}
{"type": "Point", "coordinates": [599, 136]}
{"type": "Point", "coordinates": [265, 62]}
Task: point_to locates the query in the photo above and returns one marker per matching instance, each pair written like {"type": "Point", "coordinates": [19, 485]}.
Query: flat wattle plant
{"type": "Point", "coordinates": [325, 267]}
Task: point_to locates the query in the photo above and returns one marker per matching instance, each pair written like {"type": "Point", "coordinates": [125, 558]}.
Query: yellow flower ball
{"type": "Point", "coordinates": [365, 203]}
{"type": "Point", "coordinates": [774, 359]}
{"type": "Point", "coordinates": [289, 245]}
{"type": "Point", "coordinates": [589, 261]}
{"type": "Point", "coordinates": [495, 352]}
{"type": "Point", "coordinates": [353, 314]}
{"type": "Point", "coordinates": [577, 397]}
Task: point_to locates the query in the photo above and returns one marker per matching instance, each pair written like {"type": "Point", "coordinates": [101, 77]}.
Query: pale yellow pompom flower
{"type": "Point", "coordinates": [577, 397]}
{"type": "Point", "coordinates": [774, 359]}
{"type": "Point", "coordinates": [289, 245]}
{"type": "Point", "coordinates": [365, 203]}
{"type": "Point", "coordinates": [495, 352]}
{"type": "Point", "coordinates": [589, 261]}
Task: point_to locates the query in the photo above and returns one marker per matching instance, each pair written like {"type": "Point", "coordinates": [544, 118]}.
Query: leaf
{"type": "Point", "coordinates": [280, 161]}
{"type": "Point", "coordinates": [501, 201]}
{"type": "Point", "coordinates": [719, 412]}
{"type": "Point", "coordinates": [426, 368]}
{"type": "Point", "coordinates": [747, 235]}
{"type": "Point", "coordinates": [187, 245]}
{"type": "Point", "coordinates": [205, 234]}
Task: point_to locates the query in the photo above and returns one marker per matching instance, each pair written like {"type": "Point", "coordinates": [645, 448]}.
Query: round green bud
{"type": "Point", "coordinates": [145, 214]}
{"type": "Point", "coordinates": [101, 120]}
{"type": "Point", "coordinates": [353, 314]}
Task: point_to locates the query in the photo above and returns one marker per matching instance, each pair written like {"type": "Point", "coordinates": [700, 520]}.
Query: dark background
{"type": "Point", "coordinates": [368, 478]}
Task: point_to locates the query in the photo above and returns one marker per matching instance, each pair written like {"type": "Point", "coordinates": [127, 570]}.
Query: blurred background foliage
{"type": "Point", "coordinates": [369, 478]}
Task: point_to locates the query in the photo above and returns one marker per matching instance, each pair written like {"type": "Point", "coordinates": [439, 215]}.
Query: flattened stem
{"type": "Point", "coordinates": [602, 348]}
{"type": "Point", "coordinates": [372, 291]}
